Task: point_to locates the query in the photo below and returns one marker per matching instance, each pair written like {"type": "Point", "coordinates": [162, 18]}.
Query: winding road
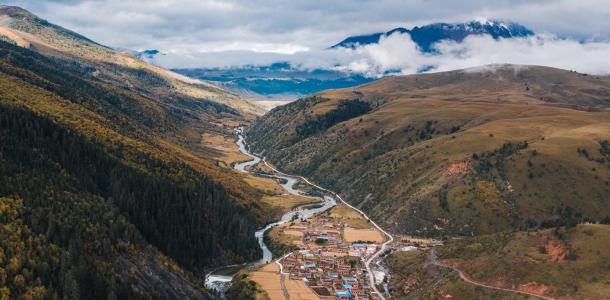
{"type": "Point", "coordinates": [384, 246]}
{"type": "Point", "coordinates": [432, 254]}
{"type": "Point", "coordinates": [255, 160]}
{"type": "Point", "coordinates": [283, 277]}
{"type": "Point", "coordinates": [434, 260]}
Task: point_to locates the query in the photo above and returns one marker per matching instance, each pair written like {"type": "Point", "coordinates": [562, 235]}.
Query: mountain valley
{"type": "Point", "coordinates": [462, 152]}
{"type": "Point", "coordinates": [104, 154]}
{"type": "Point", "coordinates": [121, 179]}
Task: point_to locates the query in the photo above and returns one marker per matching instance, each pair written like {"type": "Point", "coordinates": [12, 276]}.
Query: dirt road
{"type": "Point", "coordinates": [383, 247]}
{"type": "Point", "coordinates": [434, 260]}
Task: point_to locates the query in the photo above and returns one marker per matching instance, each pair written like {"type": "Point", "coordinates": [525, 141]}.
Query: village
{"type": "Point", "coordinates": [331, 258]}
{"type": "Point", "coordinates": [324, 256]}
{"type": "Point", "coordinates": [331, 255]}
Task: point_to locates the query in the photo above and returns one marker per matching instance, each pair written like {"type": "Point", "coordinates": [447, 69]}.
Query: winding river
{"type": "Point", "coordinates": [220, 279]}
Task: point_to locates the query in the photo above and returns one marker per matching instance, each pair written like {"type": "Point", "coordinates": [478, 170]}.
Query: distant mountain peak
{"type": "Point", "coordinates": [426, 36]}
{"type": "Point", "coordinates": [147, 55]}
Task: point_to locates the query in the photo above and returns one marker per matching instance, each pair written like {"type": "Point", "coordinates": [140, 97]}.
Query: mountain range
{"type": "Point", "coordinates": [426, 36]}
{"type": "Point", "coordinates": [286, 82]}
{"type": "Point", "coordinates": [278, 81]}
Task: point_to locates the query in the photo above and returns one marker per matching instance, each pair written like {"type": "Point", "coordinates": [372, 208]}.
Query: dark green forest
{"type": "Point", "coordinates": [347, 109]}
{"type": "Point", "coordinates": [85, 200]}
{"type": "Point", "coordinates": [83, 209]}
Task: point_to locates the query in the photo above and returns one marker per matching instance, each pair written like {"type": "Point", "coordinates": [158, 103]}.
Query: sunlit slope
{"type": "Point", "coordinates": [115, 184]}
{"type": "Point", "coordinates": [27, 30]}
{"type": "Point", "coordinates": [472, 151]}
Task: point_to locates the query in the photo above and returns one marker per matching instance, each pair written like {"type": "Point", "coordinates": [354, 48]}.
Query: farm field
{"type": "Point", "coordinates": [367, 235]}
{"type": "Point", "coordinates": [269, 280]}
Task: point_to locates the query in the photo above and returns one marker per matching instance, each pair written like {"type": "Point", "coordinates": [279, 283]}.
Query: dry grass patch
{"type": "Point", "coordinates": [299, 290]}
{"type": "Point", "coordinates": [223, 148]}
{"type": "Point", "coordinates": [280, 236]}
{"type": "Point", "coordinates": [354, 235]}
{"type": "Point", "coordinates": [294, 233]}
{"type": "Point", "coordinates": [288, 202]}
{"type": "Point", "coordinates": [269, 280]}
{"type": "Point", "coordinates": [265, 185]}
{"type": "Point", "coordinates": [344, 214]}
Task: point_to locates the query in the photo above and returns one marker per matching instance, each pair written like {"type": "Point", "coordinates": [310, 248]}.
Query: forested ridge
{"type": "Point", "coordinates": [70, 187]}
{"type": "Point", "coordinates": [88, 207]}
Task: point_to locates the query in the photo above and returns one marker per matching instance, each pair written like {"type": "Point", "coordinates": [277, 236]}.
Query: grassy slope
{"type": "Point", "coordinates": [27, 30]}
{"type": "Point", "coordinates": [141, 124]}
{"type": "Point", "coordinates": [414, 278]}
{"type": "Point", "coordinates": [567, 263]}
{"type": "Point", "coordinates": [409, 161]}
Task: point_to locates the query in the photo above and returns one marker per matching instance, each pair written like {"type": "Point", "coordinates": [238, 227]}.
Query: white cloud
{"type": "Point", "coordinates": [207, 33]}
{"type": "Point", "coordinates": [399, 54]}
{"type": "Point", "coordinates": [314, 24]}
{"type": "Point", "coordinates": [538, 50]}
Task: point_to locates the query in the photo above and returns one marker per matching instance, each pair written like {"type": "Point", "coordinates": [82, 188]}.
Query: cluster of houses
{"type": "Point", "coordinates": [330, 277]}
{"type": "Point", "coordinates": [332, 268]}
{"type": "Point", "coordinates": [324, 237]}
{"type": "Point", "coordinates": [361, 249]}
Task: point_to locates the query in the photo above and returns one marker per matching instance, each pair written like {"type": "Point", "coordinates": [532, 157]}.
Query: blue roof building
{"type": "Point", "coordinates": [347, 280]}
{"type": "Point", "coordinates": [344, 295]}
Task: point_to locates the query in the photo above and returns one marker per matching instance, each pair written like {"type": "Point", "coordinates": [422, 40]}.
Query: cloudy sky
{"type": "Point", "coordinates": [198, 33]}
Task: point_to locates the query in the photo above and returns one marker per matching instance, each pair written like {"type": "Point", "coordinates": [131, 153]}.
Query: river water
{"type": "Point", "coordinates": [220, 279]}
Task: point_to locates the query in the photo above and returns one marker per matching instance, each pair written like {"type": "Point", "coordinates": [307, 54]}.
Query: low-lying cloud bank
{"type": "Point", "coordinates": [220, 33]}
{"type": "Point", "coordinates": [398, 54]}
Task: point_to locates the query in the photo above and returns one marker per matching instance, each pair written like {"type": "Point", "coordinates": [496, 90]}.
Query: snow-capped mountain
{"type": "Point", "coordinates": [282, 80]}
{"type": "Point", "coordinates": [426, 36]}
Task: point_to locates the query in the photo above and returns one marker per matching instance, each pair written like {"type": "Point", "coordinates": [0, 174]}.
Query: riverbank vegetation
{"type": "Point", "coordinates": [279, 243]}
